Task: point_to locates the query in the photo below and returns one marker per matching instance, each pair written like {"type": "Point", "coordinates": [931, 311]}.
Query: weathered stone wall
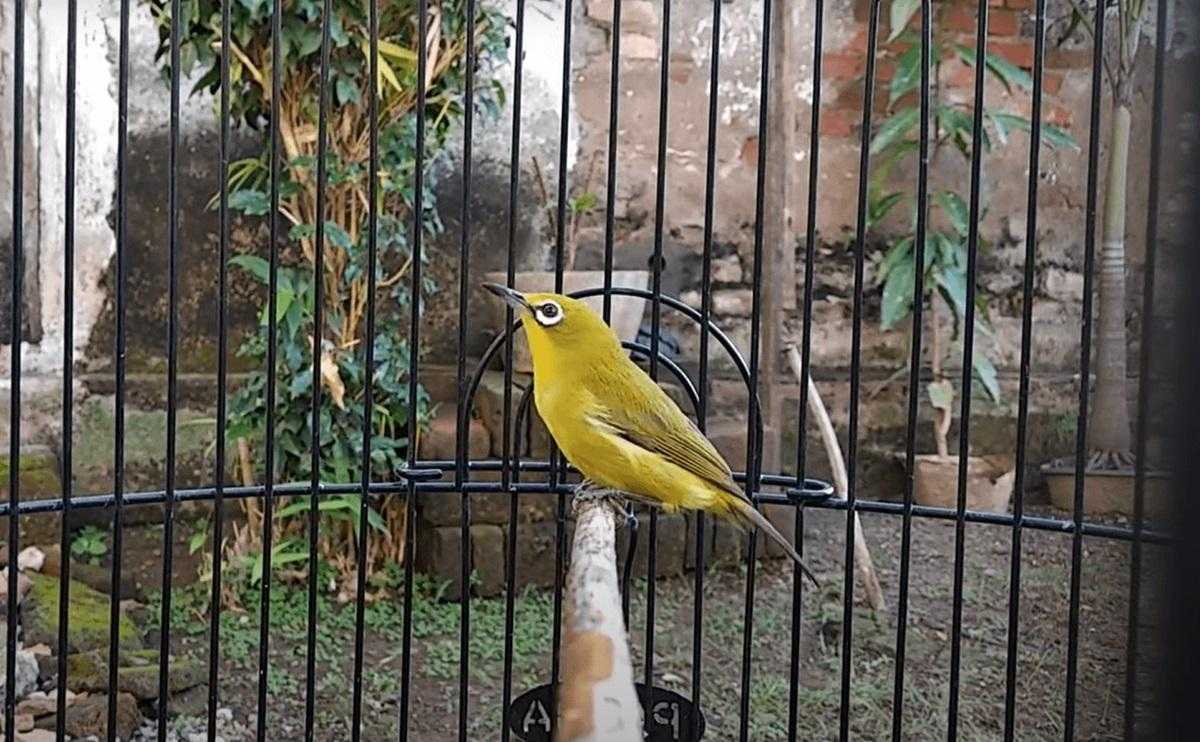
{"type": "Point", "coordinates": [1061, 207]}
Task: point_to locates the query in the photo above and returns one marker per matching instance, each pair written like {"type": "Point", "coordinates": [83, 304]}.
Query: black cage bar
{"type": "Point", "coordinates": [515, 475]}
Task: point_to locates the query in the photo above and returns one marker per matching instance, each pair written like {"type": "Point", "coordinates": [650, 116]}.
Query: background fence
{"type": "Point", "coordinates": [516, 476]}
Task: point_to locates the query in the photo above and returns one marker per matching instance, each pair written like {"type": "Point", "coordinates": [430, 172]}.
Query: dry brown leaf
{"type": "Point", "coordinates": [333, 380]}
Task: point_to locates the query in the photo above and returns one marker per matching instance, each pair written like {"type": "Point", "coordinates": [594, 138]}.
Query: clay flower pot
{"type": "Point", "coordinates": [1107, 492]}
{"type": "Point", "coordinates": [627, 311]}
{"type": "Point", "coordinates": [989, 482]}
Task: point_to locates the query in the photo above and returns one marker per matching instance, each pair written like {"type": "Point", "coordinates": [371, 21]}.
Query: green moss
{"type": "Point", "coordinates": [145, 434]}
{"type": "Point", "coordinates": [88, 617]}
{"type": "Point", "coordinates": [39, 475]}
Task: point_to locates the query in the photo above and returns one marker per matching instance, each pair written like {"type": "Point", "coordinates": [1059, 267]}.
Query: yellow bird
{"type": "Point", "coordinates": [618, 427]}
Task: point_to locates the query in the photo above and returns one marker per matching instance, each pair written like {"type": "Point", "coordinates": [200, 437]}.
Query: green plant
{"type": "Point", "coordinates": [90, 544]}
{"type": "Point", "coordinates": [337, 346]}
{"type": "Point", "coordinates": [578, 207]}
{"type": "Point", "coordinates": [1109, 432]}
{"type": "Point", "coordinates": [948, 219]}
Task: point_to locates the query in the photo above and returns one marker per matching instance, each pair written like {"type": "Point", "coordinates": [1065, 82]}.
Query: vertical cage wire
{"type": "Point", "coordinates": [860, 237]}
{"type": "Point", "coordinates": [914, 374]}
{"type": "Point", "coordinates": [68, 384]}
{"type": "Point", "coordinates": [14, 424]}
{"type": "Point", "coordinates": [1144, 369]}
{"type": "Point", "coordinates": [1085, 360]}
{"type": "Point", "coordinates": [1023, 393]}
{"type": "Point", "coordinates": [264, 616]}
{"type": "Point", "coordinates": [964, 415]}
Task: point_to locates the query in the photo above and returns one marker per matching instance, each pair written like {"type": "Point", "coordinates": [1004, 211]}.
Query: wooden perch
{"type": "Point", "coordinates": [863, 564]}
{"type": "Point", "coordinates": [597, 700]}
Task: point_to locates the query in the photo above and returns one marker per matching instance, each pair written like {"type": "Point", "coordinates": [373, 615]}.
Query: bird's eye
{"type": "Point", "coordinates": [548, 314]}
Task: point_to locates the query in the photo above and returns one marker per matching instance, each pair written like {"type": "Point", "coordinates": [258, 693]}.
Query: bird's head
{"type": "Point", "coordinates": [555, 323]}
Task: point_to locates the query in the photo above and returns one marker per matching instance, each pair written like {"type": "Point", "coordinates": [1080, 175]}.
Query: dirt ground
{"type": "Point", "coordinates": [1041, 665]}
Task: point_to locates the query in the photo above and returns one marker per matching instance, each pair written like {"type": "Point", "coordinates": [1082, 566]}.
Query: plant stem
{"type": "Point", "coordinates": [1109, 426]}
{"type": "Point", "coordinates": [941, 424]}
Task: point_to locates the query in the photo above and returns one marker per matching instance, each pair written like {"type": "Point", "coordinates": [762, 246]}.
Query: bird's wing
{"type": "Point", "coordinates": [661, 427]}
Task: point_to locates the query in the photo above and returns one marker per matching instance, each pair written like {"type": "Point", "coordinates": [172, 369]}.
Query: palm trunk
{"type": "Point", "coordinates": [1108, 431]}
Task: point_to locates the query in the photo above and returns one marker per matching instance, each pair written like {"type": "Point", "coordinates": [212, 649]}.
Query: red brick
{"type": "Point", "coordinates": [1060, 117]}
{"type": "Point", "coordinates": [1068, 58]}
{"type": "Point", "coordinates": [885, 70]}
{"type": "Point", "coordinates": [960, 18]}
{"type": "Point", "coordinates": [959, 75]}
{"type": "Point", "coordinates": [1004, 23]}
{"type": "Point", "coordinates": [837, 122]}
{"type": "Point", "coordinates": [749, 153]}
{"type": "Point", "coordinates": [842, 65]}
{"type": "Point", "coordinates": [1019, 53]}
{"type": "Point", "coordinates": [857, 42]}
{"type": "Point", "coordinates": [1052, 82]}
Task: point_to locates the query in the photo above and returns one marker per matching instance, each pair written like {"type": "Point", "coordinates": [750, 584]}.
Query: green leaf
{"type": "Point", "coordinates": [253, 203]}
{"type": "Point", "coordinates": [1052, 136]}
{"type": "Point", "coordinates": [881, 206]}
{"type": "Point", "coordinates": [908, 74]}
{"type": "Point", "coordinates": [895, 128]}
{"type": "Point", "coordinates": [895, 254]}
{"type": "Point", "coordinates": [985, 371]}
{"type": "Point", "coordinates": [1003, 70]}
{"type": "Point", "coordinates": [953, 282]}
{"type": "Point", "coordinates": [941, 394]}
{"type": "Point", "coordinates": [347, 91]}
{"type": "Point", "coordinates": [337, 235]}
{"type": "Point", "coordinates": [196, 542]}
{"type": "Point", "coordinates": [254, 265]}
{"type": "Point", "coordinates": [897, 293]}
{"type": "Point", "coordinates": [301, 231]}
{"type": "Point", "coordinates": [1056, 137]}
{"type": "Point", "coordinates": [902, 12]}
{"type": "Point", "coordinates": [956, 210]}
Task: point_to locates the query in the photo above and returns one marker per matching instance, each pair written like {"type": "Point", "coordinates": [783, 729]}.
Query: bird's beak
{"type": "Point", "coordinates": [514, 298]}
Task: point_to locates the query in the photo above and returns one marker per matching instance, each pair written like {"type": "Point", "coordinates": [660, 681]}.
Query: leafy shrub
{"type": "Point", "coordinates": [341, 336]}
{"type": "Point", "coordinates": [896, 141]}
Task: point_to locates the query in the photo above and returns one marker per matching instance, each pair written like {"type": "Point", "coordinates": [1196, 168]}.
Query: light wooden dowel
{"type": "Point", "coordinates": [597, 701]}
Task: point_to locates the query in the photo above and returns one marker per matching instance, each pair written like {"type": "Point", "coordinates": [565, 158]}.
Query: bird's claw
{"type": "Point", "coordinates": [631, 519]}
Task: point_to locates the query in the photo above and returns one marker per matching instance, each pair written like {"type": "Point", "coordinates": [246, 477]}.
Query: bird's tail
{"type": "Point", "coordinates": [745, 515]}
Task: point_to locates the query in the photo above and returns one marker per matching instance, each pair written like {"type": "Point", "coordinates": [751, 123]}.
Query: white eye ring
{"type": "Point", "coordinates": [548, 314]}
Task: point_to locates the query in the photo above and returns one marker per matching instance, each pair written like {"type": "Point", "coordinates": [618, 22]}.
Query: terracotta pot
{"type": "Point", "coordinates": [1107, 492]}
{"type": "Point", "coordinates": [989, 482]}
{"type": "Point", "coordinates": [627, 311]}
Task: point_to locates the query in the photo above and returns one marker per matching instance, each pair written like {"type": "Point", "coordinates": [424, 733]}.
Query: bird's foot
{"type": "Point", "coordinates": [588, 490]}
{"type": "Point", "coordinates": [631, 519]}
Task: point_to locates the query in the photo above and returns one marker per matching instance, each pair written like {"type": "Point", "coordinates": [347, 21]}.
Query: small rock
{"type": "Point", "coordinates": [225, 714]}
{"type": "Point", "coordinates": [35, 735]}
{"type": "Point", "coordinates": [26, 674]}
{"type": "Point", "coordinates": [88, 621]}
{"type": "Point", "coordinates": [89, 717]}
{"type": "Point", "coordinates": [638, 46]}
{"type": "Point", "coordinates": [47, 666]}
{"type": "Point", "coordinates": [191, 702]}
{"type": "Point", "coordinates": [37, 704]}
{"type": "Point", "coordinates": [24, 585]}
{"type": "Point", "coordinates": [733, 302]}
{"type": "Point", "coordinates": [31, 558]}
{"type": "Point", "coordinates": [727, 269]}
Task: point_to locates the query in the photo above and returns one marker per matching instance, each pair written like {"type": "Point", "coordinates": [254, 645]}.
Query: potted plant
{"type": "Point", "coordinates": [1108, 478]}
{"type": "Point", "coordinates": [944, 295]}
{"type": "Point", "coordinates": [626, 311]}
